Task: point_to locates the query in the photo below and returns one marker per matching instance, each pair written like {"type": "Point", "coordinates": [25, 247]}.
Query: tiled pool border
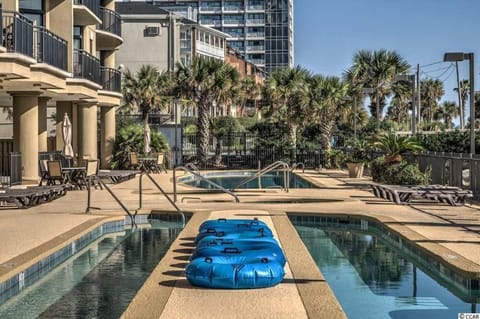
{"type": "Point", "coordinates": [467, 285]}
{"type": "Point", "coordinates": [29, 276]}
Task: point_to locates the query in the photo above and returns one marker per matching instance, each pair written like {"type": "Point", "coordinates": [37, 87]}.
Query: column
{"type": "Point", "coordinates": [87, 125]}
{"type": "Point", "coordinates": [25, 132]}
{"type": "Point", "coordinates": [62, 108]}
{"type": "Point", "coordinates": [107, 120]}
{"type": "Point", "coordinates": [42, 124]}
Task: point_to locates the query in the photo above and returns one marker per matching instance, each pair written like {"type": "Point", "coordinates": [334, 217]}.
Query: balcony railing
{"type": "Point", "coordinates": [255, 21]}
{"type": "Point", "coordinates": [255, 34]}
{"type": "Point", "coordinates": [50, 48]}
{"type": "Point", "coordinates": [111, 21]}
{"type": "Point", "coordinates": [233, 8]}
{"type": "Point", "coordinates": [255, 48]}
{"type": "Point", "coordinates": [17, 33]}
{"type": "Point", "coordinates": [86, 66]}
{"type": "Point", "coordinates": [93, 5]}
{"type": "Point", "coordinates": [111, 79]}
{"type": "Point", "coordinates": [233, 21]}
{"type": "Point", "coordinates": [21, 36]}
{"type": "Point", "coordinates": [255, 7]}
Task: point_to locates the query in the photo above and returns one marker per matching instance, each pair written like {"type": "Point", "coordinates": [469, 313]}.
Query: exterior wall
{"type": "Point", "coordinates": [59, 20]}
{"type": "Point", "coordinates": [139, 49]}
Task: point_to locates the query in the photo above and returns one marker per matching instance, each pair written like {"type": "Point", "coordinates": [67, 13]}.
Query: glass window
{"type": "Point", "coordinates": [31, 4]}
{"type": "Point", "coordinates": [33, 10]}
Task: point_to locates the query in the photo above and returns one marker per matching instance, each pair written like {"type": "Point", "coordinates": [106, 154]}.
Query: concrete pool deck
{"type": "Point", "coordinates": [449, 233]}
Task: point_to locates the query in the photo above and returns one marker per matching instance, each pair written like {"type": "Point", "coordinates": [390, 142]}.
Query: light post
{"type": "Point", "coordinates": [175, 119]}
{"type": "Point", "coordinates": [354, 100]}
{"type": "Point", "coordinates": [375, 91]}
{"type": "Point", "coordinates": [410, 78]}
{"type": "Point", "coordinates": [457, 57]}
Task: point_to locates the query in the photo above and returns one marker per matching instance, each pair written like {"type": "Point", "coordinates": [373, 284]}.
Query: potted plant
{"type": "Point", "coordinates": [355, 158]}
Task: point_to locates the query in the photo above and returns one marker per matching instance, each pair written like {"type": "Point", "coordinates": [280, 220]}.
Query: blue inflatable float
{"type": "Point", "coordinates": [236, 254]}
{"type": "Point", "coordinates": [272, 252]}
{"type": "Point", "coordinates": [256, 232]}
{"type": "Point", "coordinates": [234, 272]}
{"type": "Point", "coordinates": [223, 222]}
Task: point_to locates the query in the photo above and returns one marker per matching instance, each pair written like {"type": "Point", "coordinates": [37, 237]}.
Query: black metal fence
{"type": "Point", "coordinates": [111, 79]}
{"type": "Point", "coordinates": [86, 66]}
{"type": "Point", "coordinates": [10, 164]}
{"type": "Point", "coordinates": [245, 150]}
{"type": "Point", "coordinates": [50, 48]}
{"type": "Point", "coordinates": [111, 21]}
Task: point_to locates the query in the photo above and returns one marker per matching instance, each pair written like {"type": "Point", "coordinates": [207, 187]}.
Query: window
{"type": "Point", "coordinates": [77, 37]}
{"type": "Point", "coordinates": [33, 10]}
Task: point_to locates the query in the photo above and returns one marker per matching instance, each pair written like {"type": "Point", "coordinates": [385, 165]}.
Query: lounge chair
{"type": "Point", "coordinates": [405, 194]}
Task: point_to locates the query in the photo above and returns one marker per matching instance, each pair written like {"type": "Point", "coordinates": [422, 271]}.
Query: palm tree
{"type": "Point", "coordinates": [249, 91]}
{"type": "Point", "coordinates": [464, 92]}
{"type": "Point", "coordinates": [376, 69]}
{"type": "Point", "coordinates": [327, 98]}
{"type": "Point", "coordinates": [447, 112]}
{"type": "Point", "coordinates": [205, 82]}
{"type": "Point", "coordinates": [393, 146]}
{"type": "Point", "coordinates": [285, 92]}
{"type": "Point", "coordinates": [431, 92]}
{"type": "Point", "coordinates": [400, 105]}
{"type": "Point", "coordinates": [146, 91]}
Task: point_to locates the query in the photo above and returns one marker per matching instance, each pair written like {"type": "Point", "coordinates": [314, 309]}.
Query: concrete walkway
{"type": "Point", "coordinates": [449, 233]}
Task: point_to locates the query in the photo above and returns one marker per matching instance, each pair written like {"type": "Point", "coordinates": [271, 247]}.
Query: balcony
{"type": "Point", "coordinates": [210, 9]}
{"type": "Point", "coordinates": [50, 48]}
{"type": "Point", "coordinates": [86, 66]}
{"type": "Point", "coordinates": [86, 12]}
{"type": "Point", "coordinates": [109, 32]}
{"type": "Point", "coordinates": [255, 34]}
{"type": "Point", "coordinates": [209, 22]}
{"type": "Point", "coordinates": [229, 8]}
{"type": "Point", "coordinates": [255, 7]}
{"type": "Point", "coordinates": [251, 48]}
{"type": "Point", "coordinates": [17, 35]}
{"type": "Point", "coordinates": [21, 36]}
{"type": "Point", "coordinates": [255, 21]}
{"type": "Point", "coordinates": [233, 22]}
{"type": "Point", "coordinates": [111, 79]}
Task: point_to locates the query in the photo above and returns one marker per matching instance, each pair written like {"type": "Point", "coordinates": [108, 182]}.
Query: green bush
{"type": "Point", "coordinates": [402, 173]}
{"type": "Point", "coordinates": [130, 139]}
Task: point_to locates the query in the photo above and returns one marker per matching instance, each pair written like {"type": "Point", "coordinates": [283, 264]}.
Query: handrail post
{"type": "Point", "coordinates": [140, 190]}
{"type": "Point", "coordinates": [174, 184]}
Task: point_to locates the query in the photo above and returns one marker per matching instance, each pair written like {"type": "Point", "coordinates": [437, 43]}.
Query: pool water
{"type": "Point", "coordinates": [230, 180]}
{"type": "Point", "coordinates": [372, 279]}
{"type": "Point", "coordinates": [99, 281]}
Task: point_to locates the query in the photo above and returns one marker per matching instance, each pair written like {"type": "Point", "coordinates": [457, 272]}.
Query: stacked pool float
{"type": "Point", "coordinates": [235, 254]}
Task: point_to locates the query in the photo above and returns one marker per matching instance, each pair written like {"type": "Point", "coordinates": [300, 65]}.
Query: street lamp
{"type": "Point", "coordinates": [410, 78]}
{"type": "Point", "coordinates": [375, 91]}
{"type": "Point", "coordinates": [457, 57]}
{"type": "Point", "coordinates": [175, 119]}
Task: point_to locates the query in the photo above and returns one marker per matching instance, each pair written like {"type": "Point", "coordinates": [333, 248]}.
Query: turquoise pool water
{"type": "Point", "coordinates": [100, 280]}
{"type": "Point", "coordinates": [373, 279]}
{"type": "Point", "coordinates": [230, 180]}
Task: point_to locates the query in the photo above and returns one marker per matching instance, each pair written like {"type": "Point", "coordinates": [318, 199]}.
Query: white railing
{"type": "Point", "coordinates": [210, 50]}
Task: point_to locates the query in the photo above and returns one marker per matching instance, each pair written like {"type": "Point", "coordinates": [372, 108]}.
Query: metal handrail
{"type": "Point", "coordinates": [163, 192]}
{"type": "Point", "coordinates": [192, 166]}
{"type": "Point", "coordinates": [183, 168]}
{"type": "Point", "coordinates": [119, 202]}
{"type": "Point", "coordinates": [267, 169]}
{"type": "Point", "coordinates": [297, 165]}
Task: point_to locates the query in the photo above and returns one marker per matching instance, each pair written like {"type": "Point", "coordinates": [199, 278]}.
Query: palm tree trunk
{"type": "Point", "coordinates": [203, 133]}
{"type": "Point", "coordinates": [293, 138]}
{"type": "Point", "coordinates": [326, 128]}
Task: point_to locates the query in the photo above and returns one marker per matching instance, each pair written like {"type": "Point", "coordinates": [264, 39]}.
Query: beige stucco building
{"type": "Point", "coordinates": [61, 54]}
{"type": "Point", "coordinates": [162, 39]}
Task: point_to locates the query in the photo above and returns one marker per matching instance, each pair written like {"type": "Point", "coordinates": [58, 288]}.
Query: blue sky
{"type": "Point", "coordinates": [329, 32]}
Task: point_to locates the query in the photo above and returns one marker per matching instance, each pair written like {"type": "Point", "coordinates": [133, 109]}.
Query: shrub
{"type": "Point", "coordinates": [130, 139]}
{"type": "Point", "coordinates": [402, 173]}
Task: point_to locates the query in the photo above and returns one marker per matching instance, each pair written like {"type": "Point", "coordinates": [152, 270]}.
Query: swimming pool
{"type": "Point", "coordinates": [230, 180]}
{"type": "Point", "coordinates": [374, 278]}
{"type": "Point", "coordinates": [100, 280]}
